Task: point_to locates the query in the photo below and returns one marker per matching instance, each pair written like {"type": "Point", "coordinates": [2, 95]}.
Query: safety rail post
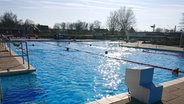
{"type": "Point", "coordinates": [5, 44]}
{"type": "Point", "coordinates": [1, 42]}
{"type": "Point", "coordinates": [9, 47]}
{"type": "Point", "coordinates": [22, 52]}
{"type": "Point", "coordinates": [27, 55]}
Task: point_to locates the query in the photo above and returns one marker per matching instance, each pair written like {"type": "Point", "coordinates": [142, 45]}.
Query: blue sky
{"type": "Point", "coordinates": [163, 13]}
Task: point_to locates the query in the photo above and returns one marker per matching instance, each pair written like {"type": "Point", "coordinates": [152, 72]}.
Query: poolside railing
{"type": "Point", "coordinates": [6, 45]}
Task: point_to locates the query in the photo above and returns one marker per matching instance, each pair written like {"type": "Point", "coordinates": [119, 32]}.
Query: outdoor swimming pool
{"type": "Point", "coordinates": [80, 75]}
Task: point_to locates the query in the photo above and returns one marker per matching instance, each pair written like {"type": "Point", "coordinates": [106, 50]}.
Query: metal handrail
{"type": "Point", "coordinates": [24, 52]}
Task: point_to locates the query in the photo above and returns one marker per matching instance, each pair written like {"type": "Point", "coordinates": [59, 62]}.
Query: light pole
{"type": "Point", "coordinates": [153, 27]}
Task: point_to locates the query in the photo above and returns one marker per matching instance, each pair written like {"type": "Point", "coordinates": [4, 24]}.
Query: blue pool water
{"type": "Point", "coordinates": [76, 77]}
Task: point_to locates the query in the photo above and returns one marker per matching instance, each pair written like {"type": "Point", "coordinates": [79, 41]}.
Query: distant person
{"type": "Point", "coordinates": [8, 37]}
{"type": "Point", "coordinates": [145, 51]}
{"type": "Point", "coordinates": [67, 49]}
{"type": "Point", "coordinates": [106, 52]}
{"type": "Point", "coordinates": [175, 71]}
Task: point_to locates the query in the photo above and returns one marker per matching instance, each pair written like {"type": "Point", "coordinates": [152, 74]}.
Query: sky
{"type": "Point", "coordinates": [163, 13]}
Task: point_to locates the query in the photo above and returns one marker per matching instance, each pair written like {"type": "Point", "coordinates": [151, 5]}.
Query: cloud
{"type": "Point", "coordinates": [60, 5]}
{"type": "Point", "coordinates": [79, 4]}
{"type": "Point", "coordinates": [72, 4]}
{"type": "Point", "coordinates": [5, 0]}
{"type": "Point", "coordinates": [114, 4]}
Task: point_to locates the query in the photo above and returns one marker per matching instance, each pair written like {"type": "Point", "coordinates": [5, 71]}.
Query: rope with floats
{"type": "Point", "coordinates": [164, 54]}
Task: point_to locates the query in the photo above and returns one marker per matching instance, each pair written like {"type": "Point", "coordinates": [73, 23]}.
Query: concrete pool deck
{"type": "Point", "coordinates": [152, 46]}
{"type": "Point", "coordinates": [12, 65]}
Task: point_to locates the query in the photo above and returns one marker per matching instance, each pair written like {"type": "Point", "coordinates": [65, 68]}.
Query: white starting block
{"type": "Point", "coordinates": [141, 87]}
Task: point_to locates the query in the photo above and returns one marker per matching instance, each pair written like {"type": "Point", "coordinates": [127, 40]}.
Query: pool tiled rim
{"type": "Point", "coordinates": [124, 96]}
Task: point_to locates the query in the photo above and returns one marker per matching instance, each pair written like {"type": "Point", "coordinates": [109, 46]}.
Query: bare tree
{"type": "Point", "coordinates": [29, 27]}
{"type": "Point", "coordinates": [80, 26]}
{"type": "Point", "coordinates": [70, 26]}
{"type": "Point", "coordinates": [85, 26]}
{"type": "Point", "coordinates": [63, 25]}
{"type": "Point", "coordinates": [60, 26]}
{"type": "Point", "coordinates": [122, 19]}
{"type": "Point", "coordinates": [159, 29]}
{"type": "Point", "coordinates": [112, 22]}
{"type": "Point", "coordinates": [57, 26]}
{"type": "Point", "coordinates": [97, 24]}
{"type": "Point", "coordinates": [91, 26]}
{"type": "Point", "coordinates": [10, 20]}
{"type": "Point", "coordinates": [28, 22]}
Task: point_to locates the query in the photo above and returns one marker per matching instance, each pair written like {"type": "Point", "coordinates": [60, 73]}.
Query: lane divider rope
{"type": "Point", "coordinates": [164, 54]}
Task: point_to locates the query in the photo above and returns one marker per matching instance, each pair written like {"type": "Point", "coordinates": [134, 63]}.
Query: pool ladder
{"type": "Point", "coordinates": [23, 47]}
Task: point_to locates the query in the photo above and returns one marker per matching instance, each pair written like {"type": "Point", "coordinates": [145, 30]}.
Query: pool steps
{"type": "Point", "coordinates": [139, 81]}
{"type": "Point", "coordinates": [125, 96]}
